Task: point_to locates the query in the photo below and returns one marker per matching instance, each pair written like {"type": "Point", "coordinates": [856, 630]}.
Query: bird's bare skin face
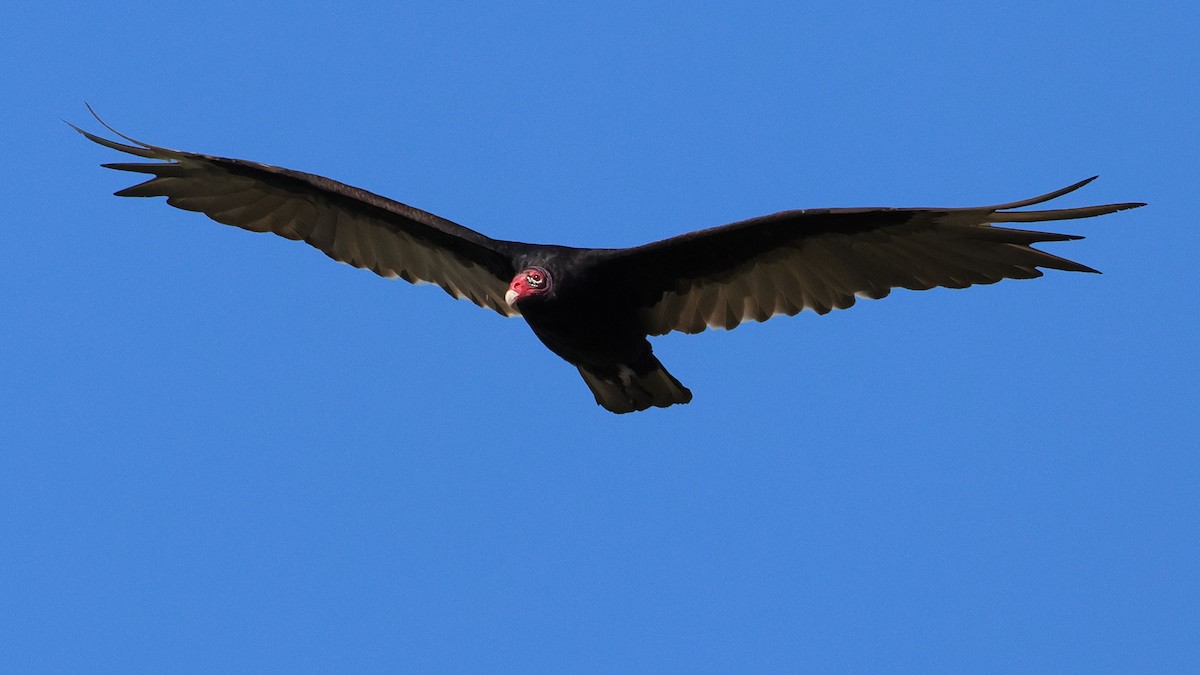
{"type": "Point", "coordinates": [529, 282]}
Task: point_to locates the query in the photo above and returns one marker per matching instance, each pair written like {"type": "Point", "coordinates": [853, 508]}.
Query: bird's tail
{"type": "Point", "coordinates": [635, 387]}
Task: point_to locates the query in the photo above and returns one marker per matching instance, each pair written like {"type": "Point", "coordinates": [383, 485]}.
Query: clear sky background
{"type": "Point", "coordinates": [222, 451]}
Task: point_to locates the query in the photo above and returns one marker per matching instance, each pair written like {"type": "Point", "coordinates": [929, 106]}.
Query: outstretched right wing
{"type": "Point", "coordinates": [821, 259]}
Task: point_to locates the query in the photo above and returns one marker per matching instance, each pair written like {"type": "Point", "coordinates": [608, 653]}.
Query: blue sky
{"type": "Point", "coordinates": [222, 451]}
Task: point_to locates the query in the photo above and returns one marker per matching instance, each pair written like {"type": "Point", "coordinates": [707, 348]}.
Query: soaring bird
{"type": "Point", "coordinates": [595, 307]}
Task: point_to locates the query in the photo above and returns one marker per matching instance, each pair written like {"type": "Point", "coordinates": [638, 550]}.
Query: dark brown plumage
{"type": "Point", "coordinates": [595, 307]}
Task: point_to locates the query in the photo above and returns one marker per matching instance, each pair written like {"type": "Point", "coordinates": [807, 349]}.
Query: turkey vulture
{"type": "Point", "coordinates": [596, 307]}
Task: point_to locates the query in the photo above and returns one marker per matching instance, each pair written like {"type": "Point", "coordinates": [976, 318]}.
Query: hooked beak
{"type": "Point", "coordinates": [511, 297]}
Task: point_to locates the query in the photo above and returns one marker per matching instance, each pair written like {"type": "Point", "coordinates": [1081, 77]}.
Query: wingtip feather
{"type": "Point", "coordinates": [1059, 214]}
{"type": "Point", "coordinates": [139, 148]}
{"type": "Point", "coordinates": [1044, 198]}
{"type": "Point", "coordinates": [106, 125]}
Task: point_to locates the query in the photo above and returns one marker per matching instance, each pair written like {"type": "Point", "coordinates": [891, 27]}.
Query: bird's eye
{"type": "Point", "coordinates": [534, 278]}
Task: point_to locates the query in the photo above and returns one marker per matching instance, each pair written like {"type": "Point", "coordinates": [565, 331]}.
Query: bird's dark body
{"type": "Point", "coordinates": [596, 307]}
{"type": "Point", "coordinates": [588, 319]}
{"type": "Point", "coordinates": [581, 319]}
{"type": "Point", "coordinates": [594, 332]}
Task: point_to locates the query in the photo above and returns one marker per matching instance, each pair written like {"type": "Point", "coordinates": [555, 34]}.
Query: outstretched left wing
{"type": "Point", "coordinates": [348, 224]}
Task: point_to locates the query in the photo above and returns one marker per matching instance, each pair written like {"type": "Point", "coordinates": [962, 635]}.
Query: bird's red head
{"type": "Point", "coordinates": [529, 282]}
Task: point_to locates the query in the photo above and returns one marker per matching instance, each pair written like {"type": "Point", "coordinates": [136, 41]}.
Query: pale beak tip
{"type": "Point", "coordinates": [510, 297]}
